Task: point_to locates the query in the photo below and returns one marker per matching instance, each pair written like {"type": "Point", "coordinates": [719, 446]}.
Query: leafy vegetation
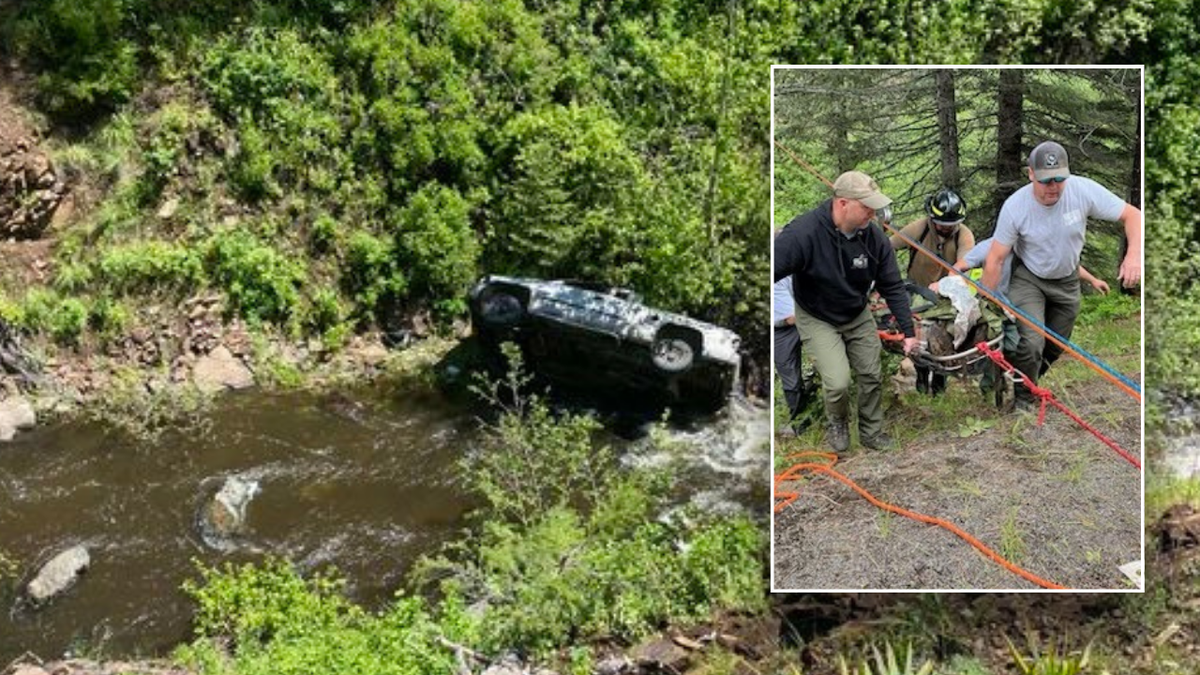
{"type": "Point", "coordinates": [887, 662]}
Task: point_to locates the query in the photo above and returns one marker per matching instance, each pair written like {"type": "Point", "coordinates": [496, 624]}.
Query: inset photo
{"type": "Point", "coordinates": [957, 309]}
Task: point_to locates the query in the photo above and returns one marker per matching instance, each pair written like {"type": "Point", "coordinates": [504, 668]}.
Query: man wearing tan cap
{"type": "Point", "coordinates": [1044, 224]}
{"type": "Point", "coordinates": [834, 254]}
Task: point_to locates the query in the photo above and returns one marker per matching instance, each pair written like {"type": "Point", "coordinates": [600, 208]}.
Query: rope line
{"type": "Point", "coordinates": [797, 472]}
{"type": "Point", "coordinates": [1046, 397]}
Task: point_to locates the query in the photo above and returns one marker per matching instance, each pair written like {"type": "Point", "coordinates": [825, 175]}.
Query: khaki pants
{"type": "Point", "coordinates": [1053, 303]}
{"type": "Point", "coordinates": [835, 350]}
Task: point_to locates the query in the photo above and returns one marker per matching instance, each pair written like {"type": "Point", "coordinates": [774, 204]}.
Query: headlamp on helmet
{"type": "Point", "coordinates": [946, 210]}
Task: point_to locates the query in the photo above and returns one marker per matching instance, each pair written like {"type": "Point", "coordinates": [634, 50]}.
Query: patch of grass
{"type": "Point", "coordinates": [1074, 473]}
{"type": "Point", "coordinates": [966, 487]}
{"type": "Point", "coordinates": [1012, 545]}
{"type": "Point", "coordinates": [884, 522]}
{"type": "Point", "coordinates": [1052, 659]}
{"type": "Point", "coordinates": [1164, 490]}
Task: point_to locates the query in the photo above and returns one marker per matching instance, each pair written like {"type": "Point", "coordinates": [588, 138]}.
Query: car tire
{"type": "Point", "coordinates": [499, 308]}
{"type": "Point", "coordinates": [672, 354]}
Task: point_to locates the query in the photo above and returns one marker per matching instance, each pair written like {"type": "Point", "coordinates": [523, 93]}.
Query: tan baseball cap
{"type": "Point", "coordinates": [1049, 160]}
{"type": "Point", "coordinates": [860, 186]}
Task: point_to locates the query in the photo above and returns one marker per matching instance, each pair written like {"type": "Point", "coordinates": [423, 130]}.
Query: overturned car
{"type": "Point", "coordinates": [595, 337]}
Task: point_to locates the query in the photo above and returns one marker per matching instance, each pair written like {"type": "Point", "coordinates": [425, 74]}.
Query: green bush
{"type": "Point", "coordinates": [437, 246]}
{"type": "Point", "coordinates": [371, 274]}
{"type": "Point", "coordinates": [150, 265]}
{"type": "Point", "coordinates": [67, 320]}
{"type": "Point", "coordinates": [88, 66]}
{"type": "Point", "coordinates": [261, 282]}
{"type": "Point", "coordinates": [285, 96]}
{"type": "Point", "coordinates": [253, 171]}
{"type": "Point", "coordinates": [573, 548]}
{"type": "Point", "coordinates": [324, 234]}
{"type": "Point", "coordinates": [281, 624]}
{"type": "Point", "coordinates": [108, 317]}
{"type": "Point", "coordinates": [325, 311]}
{"type": "Point", "coordinates": [64, 319]}
{"type": "Point", "coordinates": [570, 197]}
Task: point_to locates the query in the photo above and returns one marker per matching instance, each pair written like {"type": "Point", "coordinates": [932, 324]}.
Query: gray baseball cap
{"type": "Point", "coordinates": [1049, 160]}
{"type": "Point", "coordinates": [860, 186]}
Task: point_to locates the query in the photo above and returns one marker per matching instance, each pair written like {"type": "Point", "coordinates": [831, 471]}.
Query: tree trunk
{"type": "Point", "coordinates": [947, 128]}
{"type": "Point", "coordinates": [1009, 174]}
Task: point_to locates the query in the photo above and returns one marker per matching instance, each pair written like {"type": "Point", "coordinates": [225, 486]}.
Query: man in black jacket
{"type": "Point", "coordinates": [834, 255]}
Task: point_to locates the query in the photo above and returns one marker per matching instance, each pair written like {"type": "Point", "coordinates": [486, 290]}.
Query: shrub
{"type": "Point", "coordinates": [437, 246]}
{"type": "Point", "coordinates": [253, 173]}
{"type": "Point", "coordinates": [150, 265]}
{"type": "Point", "coordinates": [261, 283]}
{"type": "Point", "coordinates": [67, 320]}
{"type": "Point", "coordinates": [89, 67]}
{"type": "Point", "coordinates": [326, 310]}
{"type": "Point", "coordinates": [570, 195]}
{"type": "Point", "coordinates": [279, 624]}
{"type": "Point", "coordinates": [371, 274]}
{"type": "Point", "coordinates": [324, 234]}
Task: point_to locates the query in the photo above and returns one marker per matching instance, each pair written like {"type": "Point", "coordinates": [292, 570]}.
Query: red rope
{"type": "Point", "coordinates": [1045, 396]}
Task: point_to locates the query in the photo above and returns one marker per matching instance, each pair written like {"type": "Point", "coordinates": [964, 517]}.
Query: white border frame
{"type": "Point", "coordinates": [1142, 453]}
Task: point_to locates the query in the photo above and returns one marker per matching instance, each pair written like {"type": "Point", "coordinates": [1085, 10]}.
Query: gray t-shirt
{"type": "Point", "coordinates": [1049, 239]}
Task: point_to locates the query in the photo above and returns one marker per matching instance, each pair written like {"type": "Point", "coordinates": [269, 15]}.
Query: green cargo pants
{"type": "Point", "coordinates": [1055, 304]}
{"type": "Point", "coordinates": [835, 350]}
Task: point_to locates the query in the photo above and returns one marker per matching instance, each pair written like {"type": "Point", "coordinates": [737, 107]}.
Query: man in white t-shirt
{"type": "Point", "coordinates": [1044, 224]}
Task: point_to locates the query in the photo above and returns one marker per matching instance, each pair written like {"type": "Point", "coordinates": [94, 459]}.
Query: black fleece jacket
{"type": "Point", "coordinates": [832, 275]}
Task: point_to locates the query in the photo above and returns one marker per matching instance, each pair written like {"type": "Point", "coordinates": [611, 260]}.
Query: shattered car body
{"type": "Point", "coordinates": [597, 337]}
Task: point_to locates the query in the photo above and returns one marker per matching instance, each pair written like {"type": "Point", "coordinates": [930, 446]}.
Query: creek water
{"type": "Point", "coordinates": [365, 482]}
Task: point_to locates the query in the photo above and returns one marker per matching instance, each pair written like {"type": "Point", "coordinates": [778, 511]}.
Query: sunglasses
{"type": "Point", "coordinates": [1055, 179]}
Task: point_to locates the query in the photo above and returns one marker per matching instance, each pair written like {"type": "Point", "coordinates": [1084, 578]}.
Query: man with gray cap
{"type": "Point", "coordinates": [834, 254]}
{"type": "Point", "coordinates": [1044, 224]}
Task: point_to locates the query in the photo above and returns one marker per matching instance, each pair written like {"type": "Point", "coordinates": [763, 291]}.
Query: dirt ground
{"type": "Point", "coordinates": [1053, 499]}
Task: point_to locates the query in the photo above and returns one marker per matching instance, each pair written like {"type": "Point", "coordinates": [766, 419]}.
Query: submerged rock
{"type": "Point", "coordinates": [224, 516]}
{"type": "Point", "coordinates": [58, 575]}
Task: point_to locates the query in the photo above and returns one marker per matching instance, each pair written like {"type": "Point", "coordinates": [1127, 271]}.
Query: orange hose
{"type": "Point", "coordinates": [796, 472]}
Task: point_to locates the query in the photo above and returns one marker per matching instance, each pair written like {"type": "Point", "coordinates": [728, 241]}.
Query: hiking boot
{"type": "Point", "coordinates": [881, 442]}
{"type": "Point", "coordinates": [838, 435]}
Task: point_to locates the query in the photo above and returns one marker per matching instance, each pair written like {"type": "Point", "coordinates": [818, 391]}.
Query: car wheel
{"type": "Point", "coordinates": [500, 309]}
{"type": "Point", "coordinates": [672, 354]}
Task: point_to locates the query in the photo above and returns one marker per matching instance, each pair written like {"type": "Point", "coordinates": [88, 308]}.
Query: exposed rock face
{"type": "Point", "coordinates": [224, 516]}
{"type": "Point", "coordinates": [30, 189]}
{"type": "Point", "coordinates": [58, 575]}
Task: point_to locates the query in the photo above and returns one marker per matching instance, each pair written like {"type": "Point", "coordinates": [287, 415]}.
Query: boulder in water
{"type": "Point", "coordinates": [58, 575]}
{"type": "Point", "coordinates": [15, 413]}
{"type": "Point", "coordinates": [224, 516]}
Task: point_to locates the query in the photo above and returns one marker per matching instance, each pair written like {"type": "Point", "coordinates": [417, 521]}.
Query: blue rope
{"type": "Point", "coordinates": [1000, 299]}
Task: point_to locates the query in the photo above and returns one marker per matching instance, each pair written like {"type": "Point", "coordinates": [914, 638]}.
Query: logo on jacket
{"type": "Point", "coordinates": [860, 263]}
